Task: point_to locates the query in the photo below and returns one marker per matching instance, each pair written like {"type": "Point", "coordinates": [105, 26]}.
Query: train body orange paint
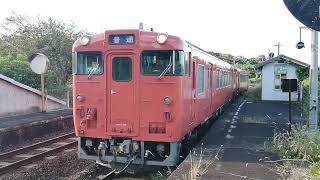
{"type": "Point", "coordinates": [133, 94]}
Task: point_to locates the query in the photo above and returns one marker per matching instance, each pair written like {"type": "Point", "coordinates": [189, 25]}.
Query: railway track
{"type": "Point", "coordinates": [29, 154]}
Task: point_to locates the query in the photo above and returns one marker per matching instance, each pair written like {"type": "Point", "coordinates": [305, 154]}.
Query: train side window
{"type": "Point", "coordinates": [186, 64]}
{"type": "Point", "coordinates": [200, 87]}
{"type": "Point", "coordinates": [121, 69]}
{"type": "Point", "coordinates": [190, 64]}
{"type": "Point", "coordinates": [209, 78]}
{"type": "Point", "coordinates": [222, 79]}
{"type": "Point", "coordinates": [217, 79]}
{"type": "Point", "coordinates": [193, 75]}
{"type": "Point", "coordinates": [179, 63]}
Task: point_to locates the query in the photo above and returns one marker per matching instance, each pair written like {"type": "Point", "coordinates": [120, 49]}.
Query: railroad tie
{"type": "Point", "coordinates": [24, 155]}
{"type": "Point", "coordinates": [44, 149]}
{"type": "Point", "coordinates": [4, 164]}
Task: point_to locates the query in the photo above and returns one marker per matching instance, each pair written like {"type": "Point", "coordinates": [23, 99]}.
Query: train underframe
{"type": "Point", "coordinates": [119, 153]}
{"type": "Point", "coordinates": [110, 152]}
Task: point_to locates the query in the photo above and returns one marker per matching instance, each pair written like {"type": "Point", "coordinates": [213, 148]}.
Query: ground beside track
{"type": "Point", "coordinates": [67, 166]}
{"type": "Point", "coordinates": [236, 145]}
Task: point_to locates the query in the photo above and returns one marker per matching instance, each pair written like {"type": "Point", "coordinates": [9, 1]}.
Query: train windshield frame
{"type": "Point", "coordinates": [160, 62]}
{"type": "Point", "coordinates": [87, 63]}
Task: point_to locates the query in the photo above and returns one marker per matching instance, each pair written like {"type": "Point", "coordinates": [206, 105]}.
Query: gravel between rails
{"type": "Point", "coordinates": [65, 166]}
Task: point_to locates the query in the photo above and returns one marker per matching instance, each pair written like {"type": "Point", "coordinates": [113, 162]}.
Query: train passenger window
{"type": "Point", "coordinates": [200, 88]}
{"type": "Point", "coordinates": [88, 63]}
{"type": "Point", "coordinates": [217, 79]}
{"type": "Point", "coordinates": [186, 64]}
{"type": "Point", "coordinates": [222, 79]}
{"type": "Point", "coordinates": [158, 62]}
{"type": "Point", "coordinates": [121, 69]}
{"type": "Point", "coordinates": [209, 78]}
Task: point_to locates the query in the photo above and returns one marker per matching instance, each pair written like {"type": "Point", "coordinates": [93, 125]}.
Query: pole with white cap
{"type": "Point", "coordinates": [39, 64]}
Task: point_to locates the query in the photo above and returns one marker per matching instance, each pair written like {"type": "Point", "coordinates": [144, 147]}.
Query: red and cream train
{"type": "Point", "coordinates": [139, 95]}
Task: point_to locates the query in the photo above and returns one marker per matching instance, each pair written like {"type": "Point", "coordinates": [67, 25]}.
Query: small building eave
{"type": "Point", "coordinates": [280, 58]}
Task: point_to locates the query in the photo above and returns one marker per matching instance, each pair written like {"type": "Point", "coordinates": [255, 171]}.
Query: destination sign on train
{"type": "Point", "coordinates": [121, 39]}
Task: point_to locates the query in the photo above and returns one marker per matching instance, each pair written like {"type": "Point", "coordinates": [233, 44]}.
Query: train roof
{"type": "Point", "coordinates": [201, 53]}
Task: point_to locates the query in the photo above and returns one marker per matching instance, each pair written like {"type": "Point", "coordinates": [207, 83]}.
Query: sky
{"type": "Point", "coordinates": [240, 27]}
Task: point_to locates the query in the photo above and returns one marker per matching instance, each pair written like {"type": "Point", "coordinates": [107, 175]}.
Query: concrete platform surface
{"type": "Point", "coordinates": [12, 121]}
{"type": "Point", "coordinates": [23, 128]}
{"type": "Point", "coordinates": [236, 144]}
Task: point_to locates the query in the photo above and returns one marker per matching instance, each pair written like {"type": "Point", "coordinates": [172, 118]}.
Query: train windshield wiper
{"type": "Point", "coordinates": [165, 70]}
{"type": "Point", "coordinates": [93, 70]}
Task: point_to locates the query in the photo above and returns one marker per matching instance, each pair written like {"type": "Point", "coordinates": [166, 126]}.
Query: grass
{"type": "Point", "coordinates": [299, 154]}
{"type": "Point", "coordinates": [254, 92]}
{"type": "Point", "coordinates": [199, 164]}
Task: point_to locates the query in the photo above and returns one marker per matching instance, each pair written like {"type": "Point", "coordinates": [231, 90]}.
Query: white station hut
{"type": "Point", "coordinates": [272, 71]}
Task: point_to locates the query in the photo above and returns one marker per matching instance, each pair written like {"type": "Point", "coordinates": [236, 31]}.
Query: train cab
{"type": "Point", "coordinates": [127, 94]}
{"type": "Point", "coordinates": [139, 96]}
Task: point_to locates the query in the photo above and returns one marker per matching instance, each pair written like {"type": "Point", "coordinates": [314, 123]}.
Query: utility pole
{"type": "Point", "coordinates": [278, 47]}
{"type": "Point", "coordinates": [313, 114]}
{"type": "Point", "coordinates": [141, 26]}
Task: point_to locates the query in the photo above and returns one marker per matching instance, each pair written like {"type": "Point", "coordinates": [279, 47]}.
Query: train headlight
{"type": "Point", "coordinates": [167, 100]}
{"type": "Point", "coordinates": [84, 40]}
{"type": "Point", "coordinates": [162, 38]}
{"type": "Point", "coordinates": [80, 98]}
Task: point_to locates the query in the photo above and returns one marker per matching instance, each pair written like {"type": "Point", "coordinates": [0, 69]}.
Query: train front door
{"type": "Point", "coordinates": [123, 114]}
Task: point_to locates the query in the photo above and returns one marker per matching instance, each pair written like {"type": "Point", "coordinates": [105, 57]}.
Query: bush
{"type": "Point", "coordinates": [18, 68]}
{"type": "Point", "coordinates": [20, 71]}
{"type": "Point", "coordinates": [255, 80]}
{"type": "Point", "coordinates": [303, 144]}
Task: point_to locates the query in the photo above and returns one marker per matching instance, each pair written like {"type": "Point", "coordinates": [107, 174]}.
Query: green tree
{"type": "Point", "coordinates": [25, 35]}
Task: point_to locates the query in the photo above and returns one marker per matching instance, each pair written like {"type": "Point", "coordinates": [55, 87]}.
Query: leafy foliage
{"type": "Point", "coordinates": [241, 62]}
{"type": "Point", "coordinates": [25, 35]}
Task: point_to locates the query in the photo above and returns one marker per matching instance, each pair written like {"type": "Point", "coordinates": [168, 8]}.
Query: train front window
{"type": "Point", "coordinates": [164, 62]}
{"type": "Point", "coordinates": [89, 63]}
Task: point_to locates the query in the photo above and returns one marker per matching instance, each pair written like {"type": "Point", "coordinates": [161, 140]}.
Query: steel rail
{"type": "Point", "coordinates": [36, 157]}
{"type": "Point", "coordinates": [36, 145]}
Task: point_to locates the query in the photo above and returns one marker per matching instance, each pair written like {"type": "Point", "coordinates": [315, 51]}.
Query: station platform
{"type": "Point", "coordinates": [21, 128]}
{"type": "Point", "coordinates": [235, 147]}
{"type": "Point", "coordinates": [19, 120]}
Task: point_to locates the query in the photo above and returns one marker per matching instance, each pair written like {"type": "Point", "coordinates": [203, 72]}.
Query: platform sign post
{"type": "Point", "coordinates": [289, 85]}
{"type": "Point", "coordinates": [39, 64]}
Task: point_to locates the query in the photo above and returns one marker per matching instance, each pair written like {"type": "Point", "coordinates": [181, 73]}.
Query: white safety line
{"type": "Point", "coordinates": [232, 126]}
{"type": "Point", "coordinates": [228, 136]}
